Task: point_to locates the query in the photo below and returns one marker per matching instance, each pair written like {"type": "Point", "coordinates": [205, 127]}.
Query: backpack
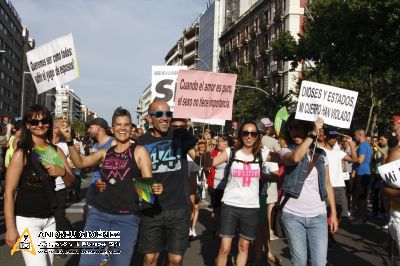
{"type": "Point", "coordinates": [232, 158]}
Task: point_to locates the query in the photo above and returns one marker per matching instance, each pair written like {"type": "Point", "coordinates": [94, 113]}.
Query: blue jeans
{"type": "Point", "coordinates": [301, 231]}
{"type": "Point", "coordinates": [127, 224]}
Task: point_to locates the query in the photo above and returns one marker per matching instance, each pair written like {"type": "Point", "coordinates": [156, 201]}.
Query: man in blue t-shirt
{"type": "Point", "coordinates": [363, 176]}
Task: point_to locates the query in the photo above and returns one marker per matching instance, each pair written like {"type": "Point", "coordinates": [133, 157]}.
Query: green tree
{"type": "Point", "coordinates": [252, 104]}
{"type": "Point", "coordinates": [79, 127]}
{"type": "Point", "coordinates": [353, 44]}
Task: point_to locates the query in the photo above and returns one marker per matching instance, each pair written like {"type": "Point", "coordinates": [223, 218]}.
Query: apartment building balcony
{"type": "Point", "coordinates": [190, 55]}
{"type": "Point", "coordinates": [191, 41]}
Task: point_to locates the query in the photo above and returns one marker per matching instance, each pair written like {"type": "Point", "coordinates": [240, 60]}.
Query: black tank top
{"type": "Point", "coordinates": [32, 199]}
{"type": "Point", "coordinates": [118, 171]}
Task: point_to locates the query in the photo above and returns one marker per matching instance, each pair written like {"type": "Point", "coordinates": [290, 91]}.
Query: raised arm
{"type": "Point", "coordinates": [79, 160]}
{"type": "Point", "coordinates": [293, 158]}
{"type": "Point", "coordinates": [353, 158]}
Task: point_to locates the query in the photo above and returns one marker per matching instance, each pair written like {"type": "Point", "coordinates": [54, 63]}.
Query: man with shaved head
{"type": "Point", "coordinates": [169, 218]}
{"type": "Point", "coordinates": [363, 176]}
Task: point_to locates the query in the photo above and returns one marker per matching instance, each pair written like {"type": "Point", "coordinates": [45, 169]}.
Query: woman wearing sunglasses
{"type": "Point", "coordinates": [307, 188]}
{"type": "Point", "coordinates": [240, 202]}
{"type": "Point", "coordinates": [29, 195]}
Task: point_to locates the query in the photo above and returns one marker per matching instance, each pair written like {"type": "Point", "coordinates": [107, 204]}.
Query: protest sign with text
{"type": "Point", "coordinates": [53, 63]}
{"type": "Point", "coordinates": [163, 82]}
{"type": "Point", "coordinates": [333, 104]}
{"type": "Point", "coordinates": [204, 95]}
{"type": "Point", "coordinates": [390, 173]}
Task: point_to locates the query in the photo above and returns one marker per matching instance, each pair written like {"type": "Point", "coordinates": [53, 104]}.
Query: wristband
{"type": "Point", "coordinates": [70, 143]}
{"type": "Point", "coordinates": [312, 135]}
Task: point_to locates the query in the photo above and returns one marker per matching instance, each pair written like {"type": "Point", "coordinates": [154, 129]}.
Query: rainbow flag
{"type": "Point", "coordinates": [143, 189]}
{"type": "Point", "coordinates": [46, 154]}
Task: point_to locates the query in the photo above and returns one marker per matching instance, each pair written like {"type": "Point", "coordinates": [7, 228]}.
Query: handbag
{"type": "Point", "coordinates": [48, 182]}
{"type": "Point", "coordinates": [276, 218]}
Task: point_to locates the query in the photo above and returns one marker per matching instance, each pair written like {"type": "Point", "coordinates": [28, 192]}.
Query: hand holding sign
{"type": "Point", "coordinates": [334, 104]}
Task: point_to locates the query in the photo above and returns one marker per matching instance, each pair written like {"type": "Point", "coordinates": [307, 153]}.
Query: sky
{"type": "Point", "coordinates": [117, 42]}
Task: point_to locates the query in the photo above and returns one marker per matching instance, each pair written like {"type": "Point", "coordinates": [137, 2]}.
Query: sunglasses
{"type": "Point", "coordinates": [160, 114]}
{"type": "Point", "coordinates": [249, 133]}
{"type": "Point", "coordinates": [35, 122]}
{"type": "Point", "coordinates": [178, 126]}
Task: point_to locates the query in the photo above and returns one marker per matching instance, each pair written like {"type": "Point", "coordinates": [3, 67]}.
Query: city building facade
{"type": "Point", "coordinates": [87, 114]}
{"type": "Point", "coordinates": [142, 108]}
{"type": "Point", "coordinates": [211, 25]}
{"type": "Point", "coordinates": [185, 51]}
{"type": "Point", "coordinates": [246, 41]}
{"type": "Point", "coordinates": [67, 104]}
{"type": "Point", "coordinates": [11, 53]}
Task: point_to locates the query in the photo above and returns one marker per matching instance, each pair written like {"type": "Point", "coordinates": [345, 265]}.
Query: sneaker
{"type": "Point", "coordinates": [194, 232]}
{"type": "Point", "coordinates": [190, 232]}
{"type": "Point", "coordinates": [385, 227]}
{"type": "Point", "coordinates": [272, 236]}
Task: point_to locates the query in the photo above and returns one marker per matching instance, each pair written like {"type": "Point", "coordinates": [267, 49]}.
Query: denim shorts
{"type": "Point", "coordinates": [244, 218]}
{"type": "Point", "coordinates": [170, 225]}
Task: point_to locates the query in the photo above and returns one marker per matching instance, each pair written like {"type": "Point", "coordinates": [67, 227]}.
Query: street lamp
{"type": "Point", "coordinates": [23, 92]}
{"type": "Point", "coordinates": [204, 63]}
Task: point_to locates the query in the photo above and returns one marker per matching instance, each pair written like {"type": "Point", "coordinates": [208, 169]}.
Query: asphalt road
{"type": "Point", "coordinates": [356, 245]}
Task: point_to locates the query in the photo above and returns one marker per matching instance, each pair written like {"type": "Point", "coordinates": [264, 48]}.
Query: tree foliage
{"type": "Point", "coordinates": [251, 104]}
{"type": "Point", "coordinates": [353, 44]}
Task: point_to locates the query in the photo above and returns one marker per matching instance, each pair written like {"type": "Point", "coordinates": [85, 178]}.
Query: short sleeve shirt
{"type": "Point", "coordinates": [335, 166]}
{"type": "Point", "coordinates": [242, 188]}
{"type": "Point", "coordinates": [309, 203]}
{"type": "Point", "coordinates": [170, 167]}
{"type": "Point", "coordinates": [365, 168]}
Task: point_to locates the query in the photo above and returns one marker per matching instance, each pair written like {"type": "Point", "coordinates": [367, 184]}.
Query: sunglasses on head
{"type": "Point", "coordinates": [247, 133]}
{"type": "Point", "coordinates": [35, 122]}
{"type": "Point", "coordinates": [160, 114]}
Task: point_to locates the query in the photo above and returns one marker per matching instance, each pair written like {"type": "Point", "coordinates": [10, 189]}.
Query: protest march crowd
{"type": "Point", "coordinates": [299, 183]}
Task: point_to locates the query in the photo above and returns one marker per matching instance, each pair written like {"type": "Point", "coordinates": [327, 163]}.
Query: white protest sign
{"type": "Point", "coordinates": [333, 104]}
{"type": "Point", "coordinates": [390, 173]}
{"type": "Point", "coordinates": [53, 63]}
{"type": "Point", "coordinates": [163, 81]}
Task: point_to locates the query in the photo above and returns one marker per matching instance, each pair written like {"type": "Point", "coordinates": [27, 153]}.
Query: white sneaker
{"type": "Point", "coordinates": [190, 232]}
{"type": "Point", "coordinates": [193, 232]}
{"type": "Point", "coordinates": [272, 236]}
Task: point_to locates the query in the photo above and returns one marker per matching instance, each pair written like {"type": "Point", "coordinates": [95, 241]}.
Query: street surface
{"type": "Point", "coordinates": [356, 244]}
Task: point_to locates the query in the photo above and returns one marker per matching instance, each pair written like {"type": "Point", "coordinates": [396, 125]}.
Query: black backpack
{"type": "Point", "coordinates": [232, 158]}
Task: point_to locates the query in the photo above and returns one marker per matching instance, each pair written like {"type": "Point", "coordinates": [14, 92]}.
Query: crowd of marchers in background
{"type": "Point", "coordinates": [317, 175]}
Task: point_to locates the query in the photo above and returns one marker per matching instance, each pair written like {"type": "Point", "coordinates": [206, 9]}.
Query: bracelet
{"type": "Point", "coordinates": [70, 143]}
{"type": "Point", "coordinates": [312, 135]}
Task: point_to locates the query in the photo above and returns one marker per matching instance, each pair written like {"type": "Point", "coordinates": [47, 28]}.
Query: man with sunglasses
{"type": "Point", "coordinates": [169, 219]}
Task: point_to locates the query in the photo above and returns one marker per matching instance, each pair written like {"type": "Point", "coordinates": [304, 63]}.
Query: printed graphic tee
{"type": "Point", "coordinates": [242, 188]}
{"type": "Point", "coordinates": [118, 171]}
{"type": "Point", "coordinates": [170, 166]}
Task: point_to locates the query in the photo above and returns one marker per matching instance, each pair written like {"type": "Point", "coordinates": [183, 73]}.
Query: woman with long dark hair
{"type": "Point", "coordinates": [307, 188]}
{"type": "Point", "coordinates": [29, 196]}
{"type": "Point", "coordinates": [240, 202]}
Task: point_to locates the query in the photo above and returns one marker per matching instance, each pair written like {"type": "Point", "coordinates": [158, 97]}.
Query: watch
{"type": "Point", "coordinates": [312, 135]}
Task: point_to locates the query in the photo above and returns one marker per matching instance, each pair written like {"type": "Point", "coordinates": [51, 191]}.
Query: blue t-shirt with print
{"type": "Point", "coordinates": [365, 168]}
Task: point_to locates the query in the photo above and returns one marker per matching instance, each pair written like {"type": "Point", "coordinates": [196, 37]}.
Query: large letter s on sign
{"type": "Point", "coordinates": [162, 89]}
